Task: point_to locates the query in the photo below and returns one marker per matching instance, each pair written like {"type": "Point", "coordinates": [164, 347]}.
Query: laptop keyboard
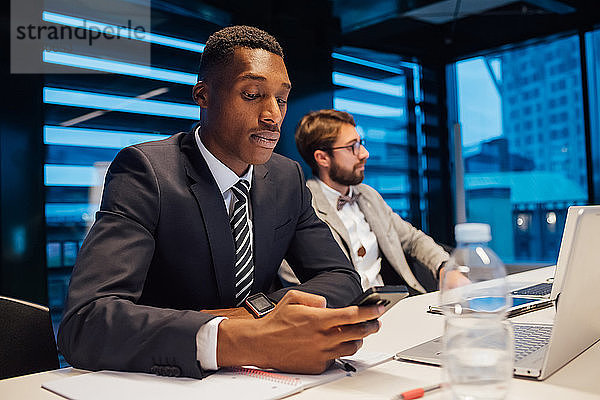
{"type": "Point", "coordinates": [530, 338]}
{"type": "Point", "coordinates": [541, 289]}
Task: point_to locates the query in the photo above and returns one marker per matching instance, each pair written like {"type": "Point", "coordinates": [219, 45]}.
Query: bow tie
{"type": "Point", "coordinates": [347, 199]}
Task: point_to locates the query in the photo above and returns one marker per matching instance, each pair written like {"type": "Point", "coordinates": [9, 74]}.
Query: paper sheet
{"type": "Point", "coordinates": [224, 384]}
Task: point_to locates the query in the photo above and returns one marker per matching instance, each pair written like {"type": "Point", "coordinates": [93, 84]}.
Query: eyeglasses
{"type": "Point", "coordinates": [355, 147]}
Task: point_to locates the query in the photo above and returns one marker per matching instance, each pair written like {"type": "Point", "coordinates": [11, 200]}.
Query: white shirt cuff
{"type": "Point", "coordinates": [206, 344]}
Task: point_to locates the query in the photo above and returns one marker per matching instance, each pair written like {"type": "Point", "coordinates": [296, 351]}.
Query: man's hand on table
{"type": "Point", "coordinates": [300, 335]}
{"type": "Point", "coordinates": [453, 279]}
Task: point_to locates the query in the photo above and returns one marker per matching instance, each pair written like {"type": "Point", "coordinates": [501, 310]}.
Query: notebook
{"type": "Point", "coordinates": [541, 349]}
{"type": "Point", "coordinates": [247, 383]}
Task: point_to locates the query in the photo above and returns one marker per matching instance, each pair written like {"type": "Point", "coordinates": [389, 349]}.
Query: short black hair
{"type": "Point", "coordinates": [221, 45]}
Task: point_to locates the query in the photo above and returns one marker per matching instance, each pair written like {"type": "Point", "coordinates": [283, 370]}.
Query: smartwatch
{"type": "Point", "coordinates": [259, 305]}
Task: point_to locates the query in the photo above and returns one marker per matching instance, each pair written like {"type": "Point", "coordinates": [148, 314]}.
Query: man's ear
{"type": "Point", "coordinates": [322, 158]}
{"type": "Point", "coordinates": [200, 94]}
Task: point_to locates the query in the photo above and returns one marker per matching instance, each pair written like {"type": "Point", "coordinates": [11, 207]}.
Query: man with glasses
{"type": "Point", "coordinates": [373, 237]}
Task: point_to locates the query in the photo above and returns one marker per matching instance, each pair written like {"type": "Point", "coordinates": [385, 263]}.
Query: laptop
{"type": "Point", "coordinates": [541, 349]}
{"type": "Point", "coordinates": [550, 288]}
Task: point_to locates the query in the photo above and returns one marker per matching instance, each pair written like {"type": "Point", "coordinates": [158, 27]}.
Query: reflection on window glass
{"type": "Point", "coordinates": [379, 90]}
{"type": "Point", "coordinates": [523, 145]}
{"type": "Point", "coordinates": [53, 254]}
{"type": "Point", "coordinates": [592, 46]}
{"type": "Point", "coordinates": [82, 136]}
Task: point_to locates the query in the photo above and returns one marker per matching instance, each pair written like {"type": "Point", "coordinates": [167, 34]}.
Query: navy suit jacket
{"type": "Point", "coordinates": [161, 249]}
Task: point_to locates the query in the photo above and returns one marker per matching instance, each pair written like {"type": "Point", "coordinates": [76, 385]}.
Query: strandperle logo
{"type": "Point", "coordinates": [88, 31]}
{"type": "Point", "coordinates": [74, 36]}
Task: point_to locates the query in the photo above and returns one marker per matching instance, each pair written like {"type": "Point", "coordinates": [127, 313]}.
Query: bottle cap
{"type": "Point", "coordinates": [472, 233]}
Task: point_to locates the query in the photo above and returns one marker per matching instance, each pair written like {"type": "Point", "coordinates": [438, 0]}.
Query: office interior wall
{"type": "Point", "coordinates": [22, 228]}
{"type": "Point", "coordinates": [441, 211]}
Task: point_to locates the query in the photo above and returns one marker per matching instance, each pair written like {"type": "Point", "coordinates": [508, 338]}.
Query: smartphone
{"type": "Point", "coordinates": [387, 296]}
{"type": "Point", "coordinates": [521, 305]}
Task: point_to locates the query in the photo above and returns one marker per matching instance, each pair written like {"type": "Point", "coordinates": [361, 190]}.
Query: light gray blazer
{"type": "Point", "coordinates": [394, 235]}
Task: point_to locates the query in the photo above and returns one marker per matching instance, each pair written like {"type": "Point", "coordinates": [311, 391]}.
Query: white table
{"type": "Point", "coordinates": [406, 325]}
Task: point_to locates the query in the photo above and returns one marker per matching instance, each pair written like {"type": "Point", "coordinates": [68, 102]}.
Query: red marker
{"type": "Point", "coordinates": [417, 393]}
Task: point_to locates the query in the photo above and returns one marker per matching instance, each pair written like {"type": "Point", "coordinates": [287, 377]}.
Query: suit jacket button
{"type": "Point", "coordinates": [154, 369]}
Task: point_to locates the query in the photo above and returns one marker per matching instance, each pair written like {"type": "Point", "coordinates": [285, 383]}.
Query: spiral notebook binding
{"type": "Point", "coordinates": [266, 375]}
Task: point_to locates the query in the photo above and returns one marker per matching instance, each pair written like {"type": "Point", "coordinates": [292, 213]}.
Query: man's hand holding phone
{"type": "Point", "coordinates": [300, 335]}
{"type": "Point", "coordinates": [387, 296]}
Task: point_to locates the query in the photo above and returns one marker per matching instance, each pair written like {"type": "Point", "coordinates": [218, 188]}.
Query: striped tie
{"type": "Point", "coordinates": [244, 266]}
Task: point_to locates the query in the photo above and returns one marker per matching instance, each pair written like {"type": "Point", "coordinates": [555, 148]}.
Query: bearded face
{"type": "Point", "coordinates": [347, 173]}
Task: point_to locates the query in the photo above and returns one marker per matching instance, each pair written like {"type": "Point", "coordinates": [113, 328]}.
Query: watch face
{"type": "Point", "coordinates": [261, 304]}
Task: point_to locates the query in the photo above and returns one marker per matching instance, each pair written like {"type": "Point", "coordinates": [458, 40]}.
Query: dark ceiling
{"type": "Point", "coordinates": [439, 31]}
{"type": "Point", "coordinates": [452, 29]}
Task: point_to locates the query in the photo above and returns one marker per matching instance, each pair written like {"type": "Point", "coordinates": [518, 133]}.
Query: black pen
{"type": "Point", "coordinates": [346, 366]}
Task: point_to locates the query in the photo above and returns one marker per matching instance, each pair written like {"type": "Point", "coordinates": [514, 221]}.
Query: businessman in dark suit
{"type": "Point", "coordinates": [190, 226]}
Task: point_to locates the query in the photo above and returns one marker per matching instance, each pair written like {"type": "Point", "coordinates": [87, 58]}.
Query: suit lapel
{"type": "Point", "coordinates": [263, 199]}
{"type": "Point", "coordinates": [216, 219]}
{"type": "Point", "coordinates": [328, 214]}
{"type": "Point", "coordinates": [394, 254]}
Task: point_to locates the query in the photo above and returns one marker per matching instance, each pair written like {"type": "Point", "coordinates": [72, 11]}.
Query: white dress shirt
{"type": "Point", "coordinates": [206, 338]}
{"type": "Point", "coordinates": [368, 266]}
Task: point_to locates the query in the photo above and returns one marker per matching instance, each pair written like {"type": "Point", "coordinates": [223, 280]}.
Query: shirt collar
{"type": "Point", "coordinates": [224, 176]}
{"type": "Point", "coordinates": [331, 194]}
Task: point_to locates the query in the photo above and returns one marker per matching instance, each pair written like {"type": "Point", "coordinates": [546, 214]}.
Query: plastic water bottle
{"type": "Point", "coordinates": [478, 340]}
